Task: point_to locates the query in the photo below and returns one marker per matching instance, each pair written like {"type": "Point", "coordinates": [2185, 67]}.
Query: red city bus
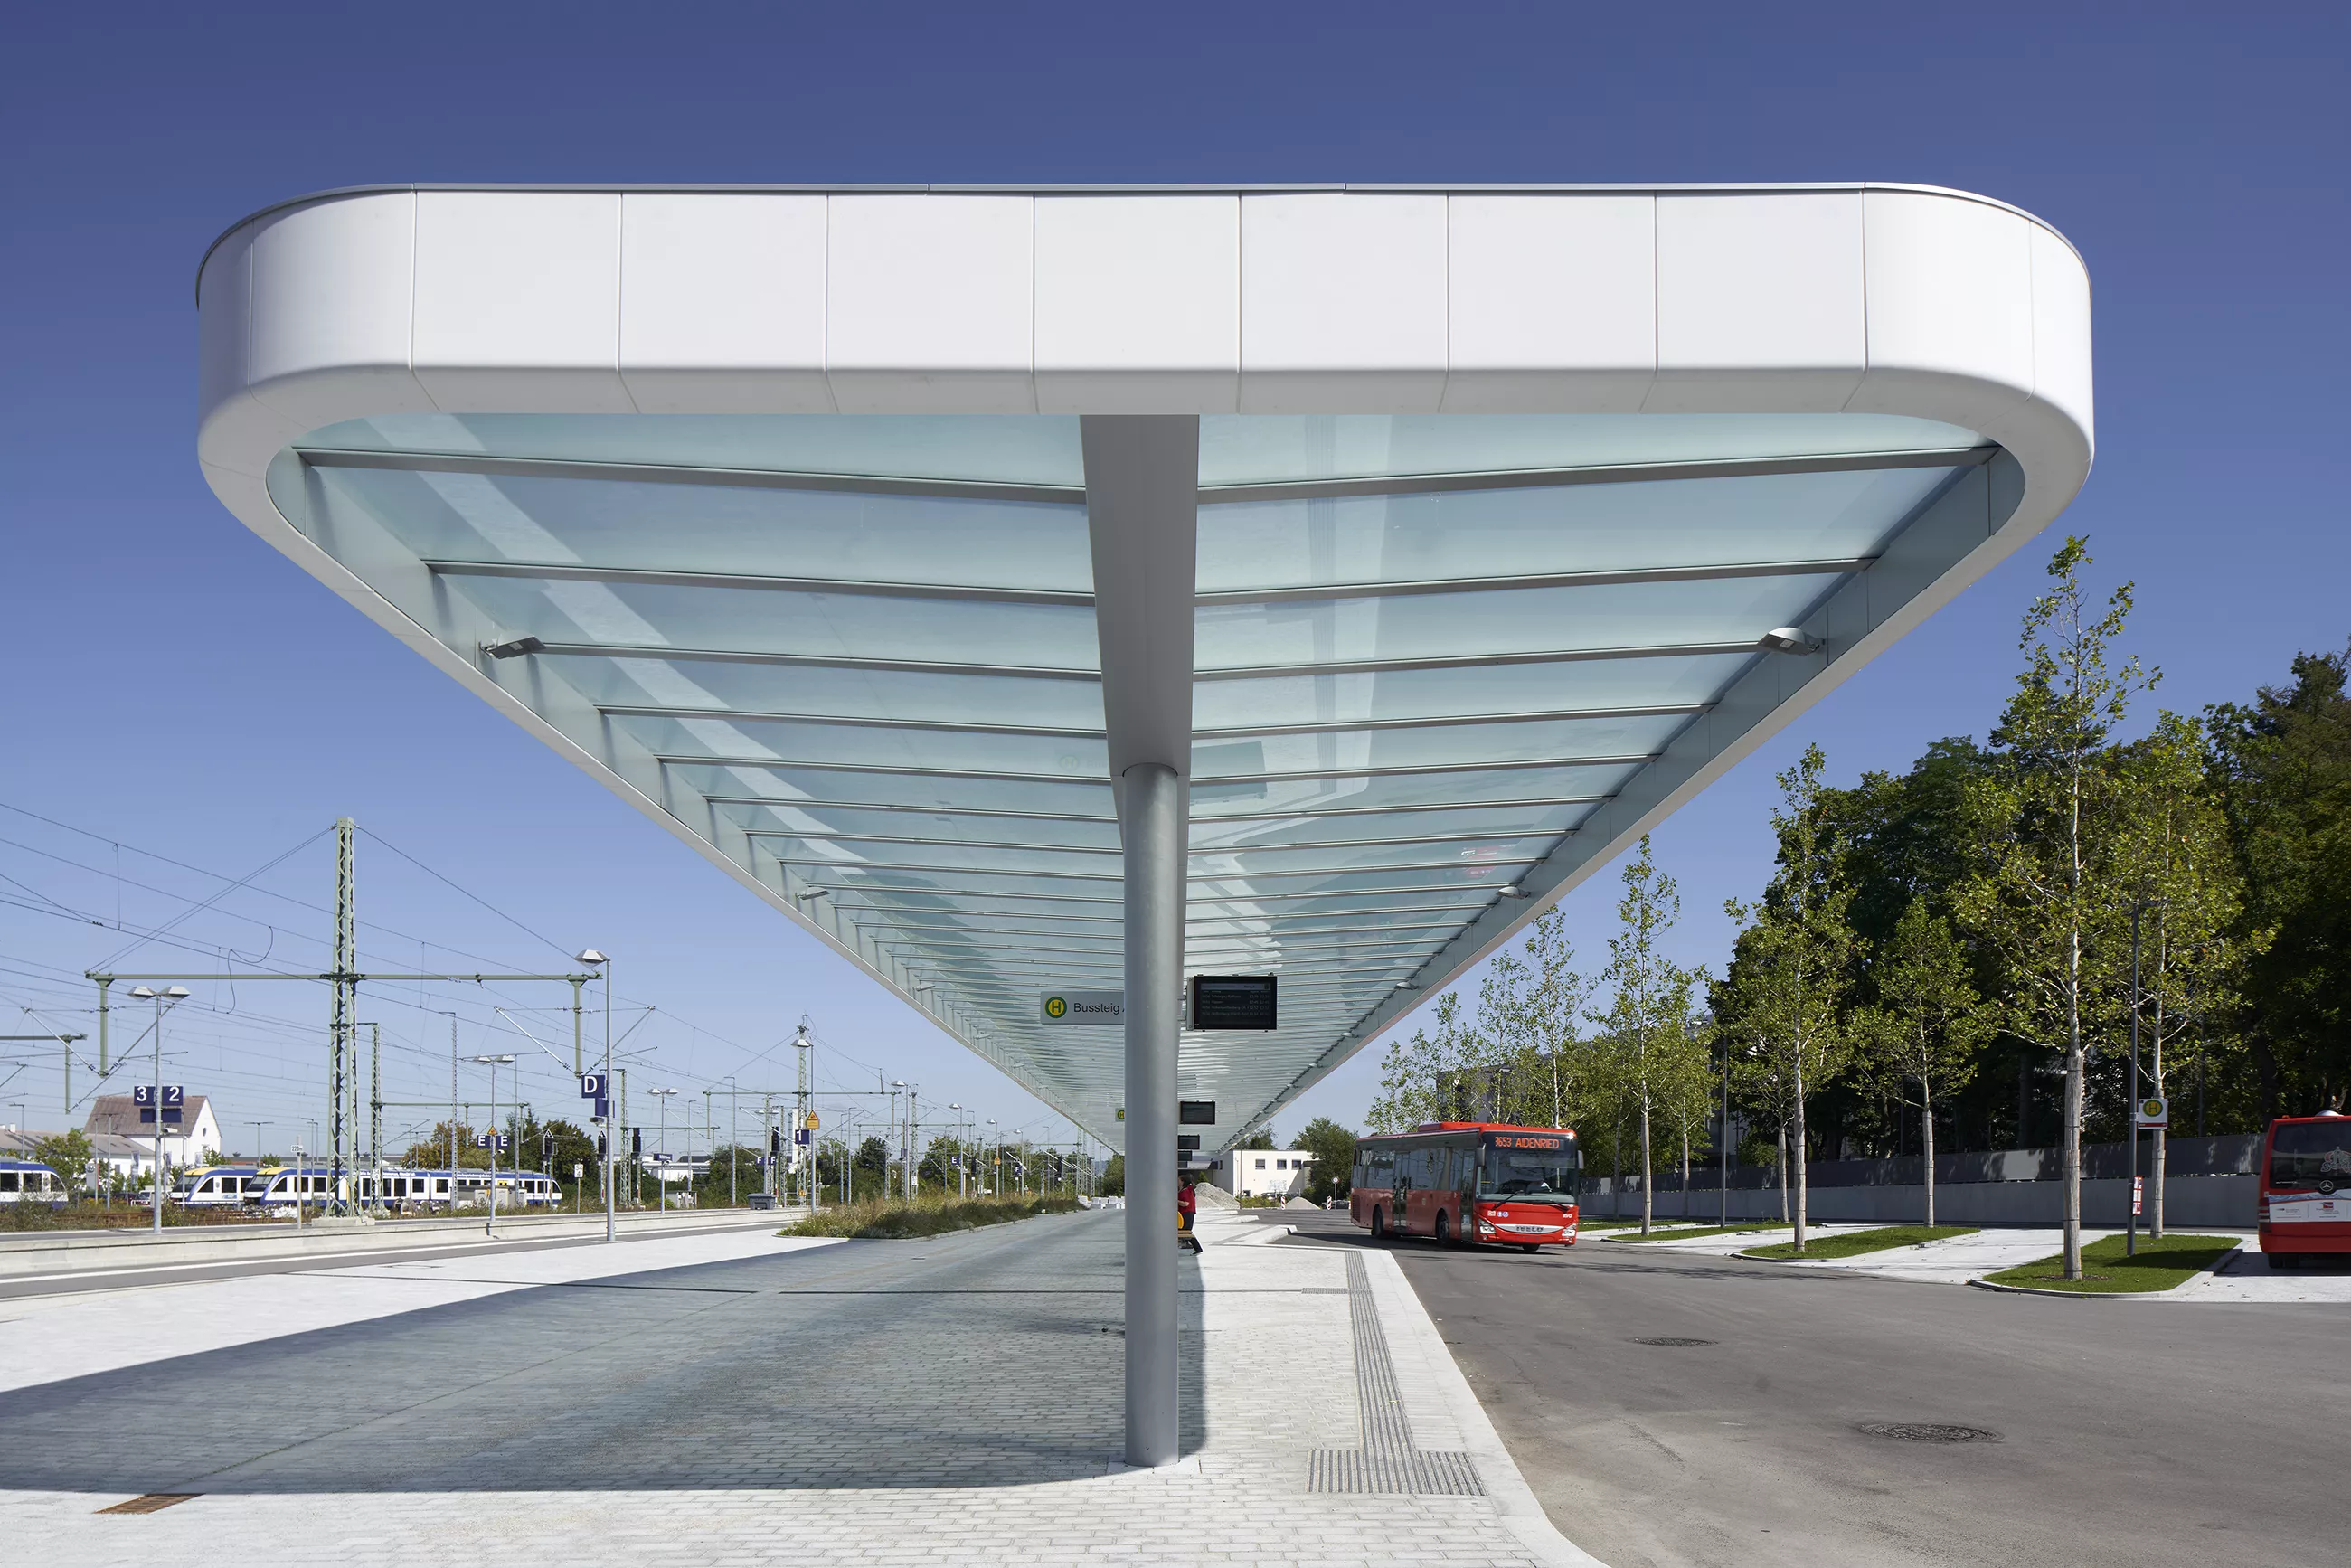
{"type": "Point", "coordinates": [1462, 1182]}
{"type": "Point", "coordinates": [2306, 1168]}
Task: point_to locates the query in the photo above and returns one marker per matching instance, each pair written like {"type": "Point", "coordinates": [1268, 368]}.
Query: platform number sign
{"type": "Point", "coordinates": [591, 1086]}
{"type": "Point", "coordinates": [172, 1097]}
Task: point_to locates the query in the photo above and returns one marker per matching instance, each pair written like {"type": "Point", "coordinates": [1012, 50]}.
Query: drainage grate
{"type": "Point", "coordinates": [1673, 1342]}
{"type": "Point", "coordinates": [153, 1502]}
{"type": "Point", "coordinates": [1929, 1432]}
{"type": "Point", "coordinates": [1388, 1461]}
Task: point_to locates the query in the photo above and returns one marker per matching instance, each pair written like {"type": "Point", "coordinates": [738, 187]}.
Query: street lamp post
{"type": "Point", "coordinates": [174, 995]}
{"type": "Point", "coordinates": [661, 1178]}
{"type": "Point", "coordinates": [493, 1064]}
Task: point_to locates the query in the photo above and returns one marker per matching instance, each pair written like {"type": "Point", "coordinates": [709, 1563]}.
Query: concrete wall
{"type": "Point", "coordinates": [2210, 1181]}
{"type": "Point", "coordinates": [2187, 1202]}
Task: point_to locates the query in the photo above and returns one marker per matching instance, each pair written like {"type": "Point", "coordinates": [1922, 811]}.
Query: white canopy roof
{"type": "Point", "coordinates": [1465, 534]}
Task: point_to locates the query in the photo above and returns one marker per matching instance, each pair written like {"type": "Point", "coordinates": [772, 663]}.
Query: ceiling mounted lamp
{"type": "Point", "coordinates": [516, 649]}
{"type": "Point", "coordinates": [1791, 640]}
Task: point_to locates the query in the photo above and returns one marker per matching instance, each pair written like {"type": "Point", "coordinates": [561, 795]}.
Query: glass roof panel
{"type": "Point", "coordinates": [1392, 694]}
{"type": "Point", "coordinates": [816, 689]}
{"type": "Point", "coordinates": [1659, 525]}
{"type": "Point", "coordinates": [1452, 745]}
{"type": "Point", "coordinates": [1248, 449]}
{"type": "Point", "coordinates": [1671, 615]}
{"type": "Point", "coordinates": [1549, 784]}
{"type": "Point", "coordinates": [1373, 828]}
{"type": "Point", "coordinates": [869, 645]}
{"type": "Point", "coordinates": [724, 529]}
{"type": "Point", "coordinates": [944, 827]}
{"type": "Point", "coordinates": [785, 784]}
{"type": "Point", "coordinates": [808, 625]}
{"type": "Point", "coordinates": [840, 744]}
{"type": "Point", "coordinates": [1002, 448]}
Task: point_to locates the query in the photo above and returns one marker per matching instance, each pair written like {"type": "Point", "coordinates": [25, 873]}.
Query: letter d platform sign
{"type": "Point", "coordinates": [1082, 1006]}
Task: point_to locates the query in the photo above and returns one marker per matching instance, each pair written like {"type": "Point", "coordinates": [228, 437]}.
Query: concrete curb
{"type": "Point", "coordinates": [1514, 1502]}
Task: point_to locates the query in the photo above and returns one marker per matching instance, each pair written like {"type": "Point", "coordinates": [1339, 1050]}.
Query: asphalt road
{"type": "Point", "coordinates": [2128, 1433]}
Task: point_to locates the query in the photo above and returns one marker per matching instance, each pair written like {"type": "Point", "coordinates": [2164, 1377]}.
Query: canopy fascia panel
{"type": "Point", "coordinates": [1823, 300]}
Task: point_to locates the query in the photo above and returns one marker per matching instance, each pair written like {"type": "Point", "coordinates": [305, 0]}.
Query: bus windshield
{"type": "Point", "coordinates": [2312, 1153]}
{"type": "Point", "coordinates": [1536, 1174]}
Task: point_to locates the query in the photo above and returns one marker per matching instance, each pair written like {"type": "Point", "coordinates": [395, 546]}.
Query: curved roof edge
{"type": "Point", "coordinates": [337, 192]}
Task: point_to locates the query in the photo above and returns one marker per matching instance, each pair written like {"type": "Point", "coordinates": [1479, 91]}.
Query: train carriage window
{"type": "Point", "coordinates": [9, 1181]}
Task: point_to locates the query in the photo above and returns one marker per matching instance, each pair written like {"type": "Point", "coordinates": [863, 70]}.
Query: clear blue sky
{"type": "Point", "coordinates": [175, 685]}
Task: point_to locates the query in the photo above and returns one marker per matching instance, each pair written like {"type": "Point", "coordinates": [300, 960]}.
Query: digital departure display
{"type": "Point", "coordinates": [1233, 1001]}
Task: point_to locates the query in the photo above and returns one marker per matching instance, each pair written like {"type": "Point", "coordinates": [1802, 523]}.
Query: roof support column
{"type": "Point", "coordinates": [1141, 511]}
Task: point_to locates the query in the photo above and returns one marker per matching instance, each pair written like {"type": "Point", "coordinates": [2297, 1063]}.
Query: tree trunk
{"type": "Point", "coordinates": [2155, 1211]}
{"type": "Point", "coordinates": [1783, 1172]}
{"type": "Point", "coordinates": [1927, 1141]}
{"type": "Point", "coordinates": [1802, 1174]}
{"type": "Point", "coordinates": [1647, 1206]}
{"type": "Point", "coordinates": [1617, 1170]}
{"type": "Point", "coordinates": [2071, 1157]}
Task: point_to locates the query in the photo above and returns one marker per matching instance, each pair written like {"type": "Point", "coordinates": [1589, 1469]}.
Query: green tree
{"type": "Point", "coordinates": [1426, 1076]}
{"type": "Point", "coordinates": [1333, 1148]}
{"type": "Point", "coordinates": [69, 1154]}
{"type": "Point", "coordinates": [2176, 873]}
{"type": "Point", "coordinates": [1114, 1181]}
{"type": "Point", "coordinates": [1538, 1015]}
{"type": "Point", "coordinates": [2045, 819]}
{"type": "Point", "coordinates": [1648, 1019]}
{"type": "Point", "coordinates": [2283, 766]}
{"type": "Point", "coordinates": [1928, 1027]}
{"type": "Point", "coordinates": [1795, 949]}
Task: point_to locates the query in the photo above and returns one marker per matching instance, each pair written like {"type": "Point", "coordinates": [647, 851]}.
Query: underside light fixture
{"type": "Point", "coordinates": [516, 649]}
{"type": "Point", "coordinates": [1512, 889]}
{"type": "Point", "coordinates": [1791, 640]}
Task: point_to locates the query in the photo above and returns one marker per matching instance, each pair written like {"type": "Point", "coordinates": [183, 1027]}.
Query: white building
{"type": "Point", "coordinates": [127, 1144]}
{"type": "Point", "coordinates": [1267, 1173]}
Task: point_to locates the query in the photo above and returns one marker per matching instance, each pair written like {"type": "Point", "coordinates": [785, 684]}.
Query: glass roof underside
{"type": "Point", "coordinates": [860, 656]}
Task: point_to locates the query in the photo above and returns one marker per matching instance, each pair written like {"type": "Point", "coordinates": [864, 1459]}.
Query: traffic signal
{"type": "Point", "coordinates": [603, 1148]}
{"type": "Point", "coordinates": [775, 1143]}
{"type": "Point", "coordinates": [636, 1146]}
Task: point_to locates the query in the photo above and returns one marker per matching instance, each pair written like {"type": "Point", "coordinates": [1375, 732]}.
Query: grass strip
{"type": "Point", "coordinates": [1854, 1242]}
{"type": "Point", "coordinates": [2159, 1266]}
{"type": "Point", "coordinates": [876, 1220]}
{"type": "Point", "coordinates": [1688, 1233]}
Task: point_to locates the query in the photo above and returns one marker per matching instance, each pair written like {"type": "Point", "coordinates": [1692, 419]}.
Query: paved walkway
{"type": "Point", "coordinates": [2246, 1276]}
{"type": "Point", "coordinates": [952, 1400]}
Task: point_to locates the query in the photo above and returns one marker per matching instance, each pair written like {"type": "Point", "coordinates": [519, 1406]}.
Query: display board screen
{"type": "Point", "coordinates": [1233, 1001]}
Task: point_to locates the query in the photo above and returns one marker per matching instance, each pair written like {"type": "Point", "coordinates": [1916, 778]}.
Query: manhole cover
{"type": "Point", "coordinates": [1929, 1432]}
{"type": "Point", "coordinates": [1673, 1342]}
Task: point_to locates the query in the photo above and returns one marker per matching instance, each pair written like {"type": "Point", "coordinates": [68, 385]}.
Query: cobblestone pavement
{"type": "Point", "coordinates": [945, 1401]}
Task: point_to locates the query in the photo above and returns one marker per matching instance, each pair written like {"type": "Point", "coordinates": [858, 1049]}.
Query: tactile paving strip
{"type": "Point", "coordinates": [1388, 1461]}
